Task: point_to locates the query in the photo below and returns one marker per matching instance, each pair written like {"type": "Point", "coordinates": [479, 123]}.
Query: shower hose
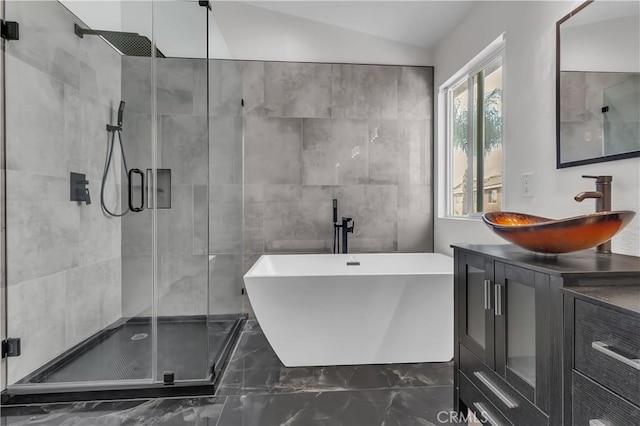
{"type": "Point", "coordinates": [111, 141]}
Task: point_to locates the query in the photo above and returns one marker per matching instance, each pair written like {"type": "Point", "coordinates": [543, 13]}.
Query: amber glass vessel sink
{"type": "Point", "coordinates": [551, 236]}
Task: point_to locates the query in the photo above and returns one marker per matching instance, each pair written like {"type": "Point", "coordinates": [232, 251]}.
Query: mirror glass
{"type": "Point", "coordinates": [598, 97]}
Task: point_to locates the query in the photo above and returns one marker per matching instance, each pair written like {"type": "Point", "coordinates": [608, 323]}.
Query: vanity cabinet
{"type": "Point", "coordinates": [503, 345]}
{"type": "Point", "coordinates": [475, 296]}
{"type": "Point", "coordinates": [509, 316]}
{"type": "Point", "coordinates": [602, 355]}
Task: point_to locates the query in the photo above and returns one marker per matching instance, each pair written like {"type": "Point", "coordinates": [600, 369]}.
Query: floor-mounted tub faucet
{"type": "Point", "coordinates": [602, 194]}
{"type": "Point", "coordinates": [345, 231]}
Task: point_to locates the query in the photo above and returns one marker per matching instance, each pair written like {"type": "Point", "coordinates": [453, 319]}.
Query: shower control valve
{"type": "Point", "coordinates": [78, 188]}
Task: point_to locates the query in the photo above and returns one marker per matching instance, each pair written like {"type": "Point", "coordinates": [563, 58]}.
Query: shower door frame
{"type": "Point", "coordinates": [3, 214]}
{"type": "Point", "coordinates": [107, 389]}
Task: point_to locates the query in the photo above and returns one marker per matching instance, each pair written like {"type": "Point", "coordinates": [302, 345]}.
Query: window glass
{"type": "Point", "coordinates": [474, 107]}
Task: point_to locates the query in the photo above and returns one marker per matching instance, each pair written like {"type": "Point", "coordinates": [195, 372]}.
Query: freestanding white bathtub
{"type": "Point", "coordinates": [316, 310]}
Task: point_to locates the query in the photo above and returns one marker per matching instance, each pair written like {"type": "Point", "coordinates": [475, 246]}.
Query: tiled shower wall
{"type": "Point", "coordinates": [63, 257]}
{"type": "Point", "coordinates": [358, 133]}
{"type": "Point", "coordinates": [582, 120]}
{"type": "Point", "coordinates": [200, 237]}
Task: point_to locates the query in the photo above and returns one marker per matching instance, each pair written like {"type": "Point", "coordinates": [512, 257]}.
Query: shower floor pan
{"type": "Point", "coordinates": [194, 348]}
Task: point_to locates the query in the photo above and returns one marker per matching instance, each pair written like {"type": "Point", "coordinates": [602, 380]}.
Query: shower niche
{"type": "Point", "coordinates": [138, 292]}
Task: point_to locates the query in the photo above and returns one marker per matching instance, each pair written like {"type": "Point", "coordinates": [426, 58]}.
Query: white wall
{"type": "Point", "coordinates": [607, 46]}
{"type": "Point", "coordinates": [254, 33]}
{"type": "Point", "coordinates": [530, 123]}
{"type": "Point", "coordinates": [97, 14]}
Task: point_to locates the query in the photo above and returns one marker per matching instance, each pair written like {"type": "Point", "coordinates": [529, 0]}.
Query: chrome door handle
{"type": "Point", "coordinates": [485, 413]}
{"type": "Point", "coordinates": [498, 301]}
{"type": "Point", "coordinates": [597, 422]}
{"type": "Point", "coordinates": [495, 390]}
{"type": "Point", "coordinates": [487, 294]}
{"type": "Point", "coordinates": [604, 348]}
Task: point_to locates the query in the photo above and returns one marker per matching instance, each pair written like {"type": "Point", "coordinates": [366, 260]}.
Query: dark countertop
{"type": "Point", "coordinates": [622, 296]}
{"type": "Point", "coordinates": [587, 262]}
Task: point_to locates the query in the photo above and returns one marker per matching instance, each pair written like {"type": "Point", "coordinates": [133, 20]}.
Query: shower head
{"type": "Point", "coordinates": [129, 44]}
{"type": "Point", "coordinates": [120, 113]}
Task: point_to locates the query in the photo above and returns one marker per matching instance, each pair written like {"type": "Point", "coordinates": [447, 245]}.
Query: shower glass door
{"type": "Point", "coordinates": [182, 178]}
{"type": "Point", "coordinates": [199, 194]}
{"type": "Point", "coordinates": [124, 195]}
{"type": "Point", "coordinates": [79, 264]}
{"type": "Point", "coordinates": [225, 192]}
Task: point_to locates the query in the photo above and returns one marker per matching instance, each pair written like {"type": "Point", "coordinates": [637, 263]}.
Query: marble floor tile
{"type": "Point", "coordinates": [258, 390]}
{"type": "Point", "coordinates": [415, 406]}
{"type": "Point", "coordinates": [169, 412]}
{"type": "Point", "coordinates": [384, 376]}
{"type": "Point", "coordinates": [251, 325]}
{"type": "Point", "coordinates": [254, 368]}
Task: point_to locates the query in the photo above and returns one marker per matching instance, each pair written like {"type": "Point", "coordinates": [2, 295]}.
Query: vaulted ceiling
{"type": "Point", "coordinates": [420, 23]}
{"type": "Point", "coordinates": [180, 27]}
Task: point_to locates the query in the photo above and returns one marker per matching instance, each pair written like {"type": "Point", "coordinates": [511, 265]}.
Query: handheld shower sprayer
{"type": "Point", "coordinates": [120, 113]}
{"type": "Point", "coordinates": [111, 141]}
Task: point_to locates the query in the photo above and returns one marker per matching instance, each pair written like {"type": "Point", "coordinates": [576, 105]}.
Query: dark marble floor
{"type": "Point", "coordinates": [258, 390]}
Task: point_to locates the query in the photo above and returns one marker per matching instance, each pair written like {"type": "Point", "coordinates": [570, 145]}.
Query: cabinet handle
{"type": "Point", "coordinates": [604, 348]}
{"type": "Point", "coordinates": [495, 390]}
{"type": "Point", "coordinates": [498, 301]}
{"type": "Point", "coordinates": [597, 422]}
{"type": "Point", "coordinates": [487, 294]}
{"type": "Point", "coordinates": [485, 413]}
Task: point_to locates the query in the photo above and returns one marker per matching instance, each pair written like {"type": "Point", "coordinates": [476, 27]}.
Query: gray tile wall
{"type": "Point", "coordinates": [199, 238]}
{"type": "Point", "coordinates": [63, 258]}
{"type": "Point", "coordinates": [358, 133]}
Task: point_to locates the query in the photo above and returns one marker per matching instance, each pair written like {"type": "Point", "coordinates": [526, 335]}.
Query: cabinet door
{"type": "Point", "coordinates": [475, 292]}
{"type": "Point", "coordinates": [522, 331]}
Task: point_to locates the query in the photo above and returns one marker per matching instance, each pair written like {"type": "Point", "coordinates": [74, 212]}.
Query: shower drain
{"type": "Point", "coordinates": [139, 336]}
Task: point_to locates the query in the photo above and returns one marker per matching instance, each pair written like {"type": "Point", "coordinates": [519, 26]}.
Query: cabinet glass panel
{"type": "Point", "coordinates": [475, 305]}
{"type": "Point", "coordinates": [521, 331]}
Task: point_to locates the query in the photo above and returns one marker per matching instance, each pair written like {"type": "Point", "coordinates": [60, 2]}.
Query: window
{"type": "Point", "coordinates": [473, 105]}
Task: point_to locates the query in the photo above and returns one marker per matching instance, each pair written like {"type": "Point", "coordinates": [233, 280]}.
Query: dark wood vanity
{"type": "Point", "coordinates": [546, 340]}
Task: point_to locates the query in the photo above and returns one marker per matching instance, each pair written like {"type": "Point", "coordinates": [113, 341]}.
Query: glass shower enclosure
{"type": "Point", "coordinates": [123, 197]}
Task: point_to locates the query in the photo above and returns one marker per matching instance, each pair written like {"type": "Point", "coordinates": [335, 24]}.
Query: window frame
{"type": "Point", "coordinates": [493, 52]}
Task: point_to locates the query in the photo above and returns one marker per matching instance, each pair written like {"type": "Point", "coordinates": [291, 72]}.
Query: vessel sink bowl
{"type": "Point", "coordinates": [550, 236]}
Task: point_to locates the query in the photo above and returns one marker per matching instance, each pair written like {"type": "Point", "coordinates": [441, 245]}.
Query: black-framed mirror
{"type": "Point", "coordinates": [598, 83]}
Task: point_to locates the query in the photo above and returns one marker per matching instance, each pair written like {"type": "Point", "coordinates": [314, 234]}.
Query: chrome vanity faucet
{"type": "Point", "coordinates": [602, 194]}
